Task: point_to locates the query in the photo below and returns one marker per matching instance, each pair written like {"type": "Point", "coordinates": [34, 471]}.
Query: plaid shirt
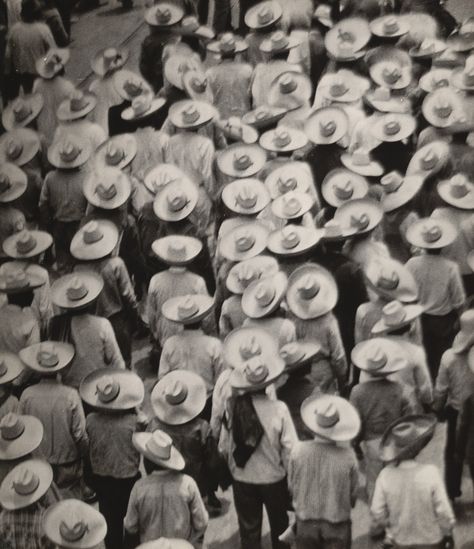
{"type": "Point", "coordinates": [23, 528]}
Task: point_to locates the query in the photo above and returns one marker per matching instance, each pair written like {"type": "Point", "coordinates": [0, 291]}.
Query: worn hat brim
{"type": "Point", "coordinates": [131, 394]}
{"type": "Point", "coordinates": [225, 160]}
{"type": "Point", "coordinates": [238, 379]}
{"type": "Point", "coordinates": [366, 206]}
{"type": "Point", "coordinates": [120, 79]}
{"type": "Point", "coordinates": [372, 169]}
{"type": "Point", "coordinates": [262, 265]}
{"type": "Point", "coordinates": [429, 81]}
{"type": "Point", "coordinates": [407, 127]}
{"type": "Point", "coordinates": [12, 500]}
{"type": "Point", "coordinates": [98, 62]}
{"type": "Point", "coordinates": [28, 441]}
{"type": "Point", "coordinates": [462, 341]}
{"type": "Point", "coordinates": [160, 204]}
{"type": "Point", "coordinates": [92, 281]}
{"type": "Point", "coordinates": [396, 104]}
{"type": "Point", "coordinates": [377, 27]}
{"type": "Point", "coordinates": [206, 113]}
{"type": "Point", "coordinates": [266, 344]}
{"type": "Point", "coordinates": [156, 104]}
{"type": "Point", "coordinates": [251, 15]}
{"type": "Point", "coordinates": [176, 15]}
{"type": "Point", "coordinates": [307, 351]}
{"type": "Point", "coordinates": [440, 149]}
{"type": "Point", "coordinates": [463, 203]}
{"type": "Point", "coordinates": [359, 30]}
{"type": "Point", "coordinates": [273, 115]}
{"type": "Point", "coordinates": [429, 104]}
{"type": "Point", "coordinates": [43, 69]}
{"type": "Point", "coordinates": [96, 250]}
{"type": "Point", "coordinates": [415, 237]}
{"type": "Point", "coordinates": [64, 351]}
{"type": "Point", "coordinates": [175, 461]}
{"type": "Point", "coordinates": [396, 360]}
{"type": "Point", "coordinates": [298, 140]}
{"type": "Point", "coordinates": [55, 159]}
{"type": "Point", "coordinates": [33, 281]}
{"type": "Point", "coordinates": [293, 170]}
{"type": "Point", "coordinates": [305, 200]}
{"type": "Point", "coordinates": [65, 113]}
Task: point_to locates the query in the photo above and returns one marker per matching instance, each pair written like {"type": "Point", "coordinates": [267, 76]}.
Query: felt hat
{"type": "Point", "coordinates": [19, 435]}
{"type": "Point", "coordinates": [158, 448]}
{"type": "Point", "coordinates": [290, 90]}
{"type": "Point", "coordinates": [443, 108]}
{"type": "Point", "coordinates": [457, 191]}
{"type": "Point", "coordinates": [312, 291]}
{"type": "Point", "coordinates": [427, 48]}
{"type": "Point", "coordinates": [166, 543]}
{"type": "Point", "coordinates": [346, 39]}
{"type": "Point", "coordinates": [78, 105]}
{"type": "Point", "coordinates": [13, 182]}
{"type": "Point", "coordinates": [263, 15]}
{"type": "Point", "coordinates": [391, 279]}
{"type": "Point", "coordinates": [108, 188]}
{"type": "Point", "coordinates": [465, 337]}
{"type": "Point", "coordinates": [406, 437]}
{"type": "Point", "coordinates": [177, 201]}
{"type": "Point", "coordinates": [164, 14]}
{"type": "Point", "coordinates": [293, 240]}
{"type": "Point", "coordinates": [341, 185]}
{"type": "Point", "coordinates": [358, 216]}
{"type": "Point", "coordinates": [243, 344]}
{"type": "Point", "coordinates": [228, 44]}
{"type": "Point", "coordinates": [26, 244]}
{"type": "Point", "coordinates": [22, 111]}
{"type": "Point", "coordinates": [429, 159]}
{"type": "Point", "coordinates": [197, 86]}
{"type": "Point", "coordinates": [389, 26]}
{"type": "Point", "coordinates": [178, 397]}
{"type": "Point", "coordinates": [291, 176]}
{"type": "Point", "coordinates": [360, 162]}
{"type": "Point", "coordinates": [48, 356]}
{"type": "Point", "coordinates": [76, 290]}
{"type": "Point", "coordinates": [16, 279]}
{"type": "Point", "coordinates": [292, 205]}
{"type": "Point", "coordinates": [299, 353]}
{"type": "Point", "coordinates": [245, 272]}
{"type": "Point", "coordinates": [190, 26]}
{"type": "Point", "coordinates": [109, 60]}
{"type": "Point", "coordinates": [25, 484]}
{"type": "Point", "coordinates": [241, 160]}
{"type": "Point", "coordinates": [463, 78]}
{"type": "Point", "coordinates": [142, 106]}
{"type": "Point", "coordinates": [327, 125]}
{"type": "Point", "coordinates": [245, 196]}
{"type": "Point", "coordinates": [244, 241]}
{"type": "Point", "coordinates": [51, 63]}
{"type": "Point", "coordinates": [130, 85]}
{"type": "Point", "coordinates": [323, 14]}
{"type": "Point", "coordinates": [399, 190]}
{"type": "Point", "coordinates": [72, 151]}
{"type": "Point", "coordinates": [94, 240]}
{"type": "Point", "coordinates": [236, 131]}
{"type": "Point", "coordinates": [73, 524]}
{"type": "Point", "coordinates": [263, 296]}
{"type": "Point", "coordinates": [379, 356]}
{"type": "Point", "coordinates": [264, 117]}
{"type": "Point", "coordinates": [187, 309]}
{"type": "Point", "coordinates": [117, 152]}
{"type": "Point", "coordinates": [331, 417]}
{"type": "Point", "coordinates": [393, 127]}
{"type": "Point", "coordinates": [10, 367]}
{"type": "Point", "coordinates": [430, 233]}
{"type": "Point", "coordinates": [396, 315]}
{"type": "Point", "coordinates": [257, 373]}
{"type": "Point", "coordinates": [435, 78]}
{"type": "Point", "coordinates": [279, 42]}
{"type": "Point", "coordinates": [177, 249]}
{"type": "Point", "coordinates": [19, 146]}
{"type": "Point", "coordinates": [189, 114]}
{"type": "Point", "coordinates": [112, 389]}
{"type": "Point", "coordinates": [340, 87]}
{"type": "Point", "coordinates": [283, 139]}
{"type": "Point", "coordinates": [390, 67]}
{"type": "Point", "coordinates": [382, 100]}
{"type": "Point", "coordinates": [157, 178]}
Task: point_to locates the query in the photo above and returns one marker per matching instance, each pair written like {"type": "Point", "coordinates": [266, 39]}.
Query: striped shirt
{"type": "Point", "coordinates": [23, 528]}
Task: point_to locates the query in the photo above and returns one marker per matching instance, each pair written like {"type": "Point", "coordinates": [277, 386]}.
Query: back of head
{"type": "Point", "coordinates": [30, 11]}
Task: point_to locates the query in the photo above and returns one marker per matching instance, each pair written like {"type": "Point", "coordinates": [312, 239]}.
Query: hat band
{"type": "Point", "coordinates": [74, 533]}
{"type": "Point", "coordinates": [69, 156]}
{"type": "Point", "coordinates": [288, 87]}
{"type": "Point", "coordinates": [108, 393]}
{"type": "Point", "coordinates": [429, 161]}
{"type": "Point", "coordinates": [290, 241]}
{"type": "Point", "coordinates": [432, 235]}
{"type": "Point", "coordinates": [47, 359]}
{"type": "Point", "coordinates": [246, 202]}
{"type": "Point", "coordinates": [360, 222]}
{"type": "Point", "coordinates": [187, 312]}
{"type": "Point", "coordinates": [344, 193]}
{"type": "Point", "coordinates": [79, 104]}
{"type": "Point", "coordinates": [177, 204]}
{"type": "Point", "coordinates": [132, 89]}
{"type": "Point", "coordinates": [91, 237]}
{"type": "Point", "coordinates": [114, 157]}
{"type": "Point", "coordinates": [256, 375]}
{"type": "Point", "coordinates": [26, 489]}
{"type": "Point", "coordinates": [14, 150]}
{"type": "Point", "coordinates": [327, 421]}
{"type": "Point", "coordinates": [285, 185]}
{"type": "Point", "coordinates": [189, 117]}
{"type": "Point", "coordinates": [242, 163]}
{"type": "Point", "coordinates": [244, 244]}
{"type": "Point", "coordinates": [309, 292]}
{"type": "Point", "coordinates": [178, 395]}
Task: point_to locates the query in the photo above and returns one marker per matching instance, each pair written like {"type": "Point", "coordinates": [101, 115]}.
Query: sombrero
{"type": "Point", "coordinates": [49, 65]}
{"type": "Point", "coordinates": [393, 127]}
{"type": "Point", "coordinates": [10, 367]}
{"type": "Point", "coordinates": [95, 240]}
{"type": "Point", "coordinates": [463, 78]}
{"type": "Point", "coordinates": [244, 241]}
{"type": "Point", "coordinates": [458, 191]}
{"type": "Point", "coordinates": [341, 185]}
{"type": "Point", "coordinates": [358, 216]}
{"type": "Point", "coordinates": [19, 146]}
{"type": "Point", "coordinates": [291, 176]}
{"type": "Point", "coordinates": [323, 14]}
{"type": "Point", "coordinates": [264, 116]}
{"type": "Point", "coordinates": [263, 15]}
{"type": "Point", "coordinates": [360, 162]}
{"type": "Point", "coordinates": [48, 356]}
{"type": "Point", "coordinates": [22, 111]}
{"type": "Point", "coordinates": [406, 437]}
{"type": "Point", "coordinates": [245, 196]}
{"type": "Point", "coordinates": [430, 233]}
{"type": "Point", "coordinates": [228, 44]}
{"type": "Point", "coordinates": [379, 356]}
{"type": "Point", "coordinates": [25, 484]}
{"type": "Point", "coordinates": [293, 240]}
{"type": "Point", "coordinates": [78, 105]}
{"type": "Point", "coordinates": [177, 249]}
{"type": "Point", "coordinates": [158, 448]}
{"type": "Point", "coordinates": [72, 151]}
{"type": "Point", "coordinates": [190, 26]}
{"type": "Point", "coordinates": [164, 14]}
{"type": "Point", "coordinates": [396, 315]}
{"type": "Point", "coordinates": [245, 272]}
{"type": "Point", "coordinates": [427, 48]}
{"type": "Point", "coordinates": [166, 543]}
{"type": "Point", "coordinates": [235, 131]}
{"type": "Point", "coordinates": [177, 201]}
{"type": "Point", "coordinates": [290, 90]}
{"type": "Point", "coordinates": [390, 67]}
{"type": "Point", "coordinates": [16, 279]}
{"type": "Point", "coordinates": [389, 26]}
{"type": "Point", "coordinates": [279, 42]}
{"type": "Point", "coordinates": [187, 309]}
{"type": "Point", "coordinates": [142, 106]}
{"type": "Point", "coordinates": [382, 100]}
{"type": "Point", "coordinates": [346, 39]}
{"type": "Point", "coordinates": [112, 389]}
{"type": "Point", "coordinates": [443, 108]}
{"type": "Point", "coordinates": [399, 190]}
{"type": "Point", "coordinates": [76, 290]}
{"type": "Point", "coordinates": [241, 160]}
{"type": "Point", "coordinates": [292, 205]}
{"type": "Point", "coordinates": [130, 85]}
{"type": "Point", "coordinates": [176, 66]}
{"type": "Point", "coordinates": [461, 41]}
{"type": "Point", "coordinates": [429, 159]}
{"type": "Point", "coordinates": [243, 344]}
{"type": "Point", "coordinates": [19, 436]}
{"type": "Point", "coordinates": [117, 152]}
{"type": "Point", "coordinates": [109, 60]}
{"type": "Point", "coordinates": [327, 125]}
{"type": "Point", "coordinates": [340, 87]}
{"type": "Point", "coordinates": [157, 178]}
{"type": "Point", "coordinates": [197, 87]}
{"type": "Point", "coordinates": [435, 79]}
{"type": "Point", "coordinates": [190, 114]}
{"type": "Point", "coordinates": [13, 182]}
{"type": "Point", "coordinates": [257, 373]}
{"type": "Point", "coordinates": [108, 189]}
{"type": "Point", "coordinates": [263, 296]}
{"type": "Point", "coordinates": [283, 140]}
{"type": "Point", "coordinates": [299, 353]}
{"type": "Point", "coordinates": [391, 279]}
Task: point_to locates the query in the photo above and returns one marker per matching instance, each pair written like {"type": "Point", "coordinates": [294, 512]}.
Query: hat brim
{"type": "Point", "coordinates": [313, 130]}
{"type": "Point", "coordinates": [43, 241]}
{"type": "Point", "coordinates": [412, 313]}
{"type": "Point", "coordinates": [432, 118]}
{"type": "Point", "coordinates": [65, 353]}
{"type": "Point", "coordinates": [123, 186]}
{"type": "Point", "coordinates": [30, 142]}
{"type": "Point", "coordinates": [470, 260]}
{"type": "Point", "coordinates": [96, 250]}
{"type": "Point", "coordinates": [395, 105]}
{"type": "Point", "coordinates": [156, 104]}
{"type": "Point", "coordinates": [34, 282]}
{"type": "Point", "coordinates": [410, 187]}
{"type": "Point", "coordinates": [462, 342]}
{"type": "Point", "coordinates": [459, 44]}
{"type": "Point", "coordinates": [232, 355]}
{"type": "Point", "coordinates": [263, 264]}
{"type": "Point", "coordinates": [464, 203]}
{"type": "Point", "coordinates": [125, 142]}
{"type": "Point", "coordinates": [251, 16]}
{"type": "Point", "coordinates": [238, 380]}
{"type": "Point", "coordinates": [396, 360]}
{"type": "Point", "coordinates": [358, 27]}
{"type": "Point", "coordinates": [225, 160]}
{"type": "Point", "coordinates": [428, 80]}
{"type": "Point", "coordinates": [165, 214]}
{"type": "Point", "coordinates": [175, 461]}
{"type": "Point", "coordinates": [93, 283]}
{"type": "Point", "coordinates": [14, 367]}
{"type": "Point", "coordinates": [439, 148]}
{"type": "Point", "coordinates": [389, 450]}
{"type": "Point", "coordinates": [291, 170]}
{"type": "Point", "coordinates": [415, 238]}
{"type": "Point", "coordinates": [215, 47]}
{"type": "Point", "coordinates": [407, 127]}
{"type": "Point", "coordinates": [305, 200]}
{"type": "Point", "coordinates": [205, 304]}
{"type": "Point", "coordinates": [267, 46]}
{"type": "Point", "coordinates": [63, 55]}
{"type": "Point", "coordinates": [298, 141]}
{"type": "Point", "coordinates": [377, 28]}
{"type": "Point", "coordinates": [308, 240]}
{"type": "Point", "coordinates": [98, 64]}
{"type": "Point", "coordinates": [131, 392]}
{"type": "Point", "coordinates": [64, 112]}
{"type": "Point", "coordinates": [124, 75]}
{"type": "Point", "coordinates": [275, 114]}
{"type": "Point", "coordinates": [36, 103]}
{"type": "Point", "coordinates": [28, 441]}
{"type": "Point", "coordinates": [362, 205]}
{"type": "Point", "coordinates": [416, 53]}
{"type": "Point", "coordinates": [11, 500]}
{"type": "Point", "coordinates": [246, 136]}
{"type": "Point", "coordinates": [376, 74]}
{"type": "Point", "coordinates": [308, 351]}
{"type": "Point", "coordinates": [250, 305]}
{"type": "Point", "coordinates": [360, 186]}
{"type": "Point", "coordinates": [206, 113]}
{"type": "Point", "coordinates": [193, 249]}
{"type": "Point", "coordinates": [230, 194]}
{"type": "Point", "coordinates": [372, 169]}
{"type": "Point", "coordinates": [19, 185]}
{"type": "Point", "coordinates": [227, 248]}
{"type": "Point", "coordinates": [55, 159]}
{"type": "Point", "coordinates": [176, 15]}
{"type": "Point", "coordinates": [406, 290]}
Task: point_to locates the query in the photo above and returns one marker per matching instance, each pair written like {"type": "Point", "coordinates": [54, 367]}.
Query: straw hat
{"type": "Point", "coordinates": [117, 152]}
{"type": "Point", "coordinates": [245, 272]}
{"type": "Point", "coordinates": [166, 543]}
{"type": "Point", "coordinates": [177, 201]}
{"type": "Point", "coordinates": [292, 205]}
{"type": "Point", "coordinates": [345, 40]}
{"type": "Point", "coordinates": [142, 106]}
{"type": "Point", "coordinates": [429, 159]}
{"type": "Point", "coordinates": [130, 85]}
{"type": "Point", "coordinates": [189, 114]}
{"type": "Point", "coordinates": [228, 44]}
{"type": "Point", "coordinates": [19, 146]}
{"type": "Point", "coordinates": [340, 87]}
{"type": "Point", "coordinates": [235, 130]}
{"type": "Point", "coordinates": [290, 90]}
{"type": "Point", "coordinates": [312, 291]}
{"type": "Point", "coordinates": [241, 160]}
{"type": "Point", "coordinates": [19, 436]}
{"type": "Point", "coordinates": [435, 79]}
{"type": "Point", "coordinates": [283, 139]}
{"type": "Point", "coordinates": [463, 78]}
{"type": "Point", "coordinates": [341, 185]}
{"type": "Point", "coordinates": [72, 151]}
{"type": "Point", "coordinates": [443, 108]}
{"type": "Point", "coordinates": [457, 191]}
{"type": "Point", "coordinates": [26, 244]}
{"type": "Point", "coordinates": [244, 241]}
{"type": "Point", "coordinates": [22, 111]}
{"type": "Point", "coordinates": [382, 100]}
{"type": "Point", "coordinates": [72, 524]}
{"type": "Point", "coordinates": [10, 367]}
{"type": "Point", "coordinates": [164, 14]}
{"type": "Point", "coordinates": [190, 26]}
{"type": "Point", "coordinates": [389, 26]}
{"type": "Point", "coordinates": [263, 296]}
{"type": "Point", "coordinates": [73, 291]}
{"type": "Point", "coordinates": [358, 216]}
{"type": "Point", "coordinates": [13, 182]}
{"type": "Point", "coordinates": [158, 448]}
{"type": "Point", "coordinates": [331, 417]}
{"type": "Point", "coordinates": [360, 162]}
{"type": "Point", "coordinates": [50, 64]}
{"type": "Point", "coordinates": [243, 344]}
{"type": "Point", "coordinates": [299, 353]}
{"type": "Point", "coordinates": [177, 249]}
{"type": "Point", "coordinates": [379, 356]}
{"type": "Point", "coordinates": [157, 178]}
{"type": "Point", "coordinates": [264, 116]}
{"type": "Point", "coordinates": [48, 356]}
{"type": "Point", "coordinates": [187, 309]}
{"type": "Point", "coordinates": [257, 373]}
{"type": "Point", "coordinates": [291, 176]}
{"type": "Point", "coordinates": [109, 60]}
{"type": "Point", "coordinates": [406, 437]}
{"type": "Point", "coordinates": [263, 15]}
{"type": "Point", "coordinates": [393, 127]}
{"type": "Point", "coordinates": [112, 389]}
{"type": "Point", "coordinates": [95, 240]}
{"type": "Point", "coordinates": [431, 233]}
{"type": "Point", "coordinates": [178, 397]}
{"type": "Point", "coordinates": [465, 337]}
{"type": "Point", "coordinates": [390, 67]}
{"type": "Point", "coordinates": [399, 190]}
{"type": "Point", "coordinates": [395, 315]}
{"type": "Point", "coordinates": [16, 279]}
{"type": "Point", "coordinates": [427, 48]}
{"type": "Point", "coordinates": [391, 279]}
{"type": "Point", "coordinates": [323, 14]}
{"type": "Point", "coordinates": [246, 196]}
{"type": "Point", "coordinates": [197, 86]}
{"type": "Point", "coordinates": [25, 484]}
{"type": "Point", "coordinates": [176, 66]}
{"type": "Point", "coordinates": [279, 42]}
{"type": "Point", "coordinates": [293, 240]}
{"type": "Point", "coordinates": [108, 189]}
{"type": "Point", "coordinates": [327, 125]}
{"type": "Point", "coordinates": [78, 105]}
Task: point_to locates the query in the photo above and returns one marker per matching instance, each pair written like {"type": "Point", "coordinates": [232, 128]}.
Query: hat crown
{"type": "Point", "coordinates": [391, 73]}
{"type": "Point", "coordinates": [5, 183]}
{"type": "Point", "coordinates": [443, 107]}
{"type": "Point", "coordinates": [3, 367]}
{"type": "Point", "coordinates": [287, 84]}
{"type": "Point", "coordinates": [69, 151]}
{"type": "Point", "coordinates": [21, 109]}
{"type": "Point", "coordinates": [76, 289]}
{"type": "Point", "coordinates": [404, 433]}
{"type": "Point", "coordinates": [431, 233]}
{"type": "Point", "coordinates": [250, 348]}
{"type": "Point", "coordinates": [279, 40]}
{"type": "Point", "coordinates": [388, 280]}
{"type": "Point", "coordinates": [15, 277]}
{"type": "Point", "coordinates": [391, 126]}
{"type": "Point", "coordinates": [11, 426]}
{"type": "Point", "coordinates": [160, 445]}
{"type": "Point", "coordinates": [25, 482]}
{"type": "Point", "coordinates": [247, 274]}
{"type": "Point", "coordinates": [78, 101]}
{"type": "Point", "coordinates": [292, 352]}
{"type": "Point", "coordinates": [361, 157]}
{"type": "Point", "coordinates": [242, 162]}
{"type": "Point", "coordinates": [190, 114]}
{"type": "Point", "coordinates": [345, 36]}
{"type": "Point", "coordinates": [141, 104]}
{"type": "Point", "coordinates": [281, 138]}
{"type": "Point", "coordinates": [176, 392]}
{"type": "Point", "coordinates": [14, 149]}
{"type": "Point", "coordinates": [114, 154]}
{"type": "Point", "coordinates": [309, 287]}
{"type": "Point", "coordinates": [382, 94]}
{"type": "Point", "coordinates": [438, 81]}
{"type": "Point", "coordinates": [73, 532]}
{"type": "Point", "coordinates": [392, 181]}
{"type": "Point", "coordinates": [360, 221]}
{"type": "Point", "coordinates": [338, 87]}
{"type": "Point", "coordinates": [190, 23]}
{"type": "Point", "coordinates": [47, 357]}
{"type": "Point", "coordinates": [328, 128]}
{"type": "Point", "coordinates": [26, 242]}
{"type": "Point", "coordinates": [92, 233]}
{"type": "Point", "coordinates": [393, 313]}
{"type": "Point", "coordinates": [290, 238]}
{"type": "Point", "coordinates": [246, 197]}
{"type": "Point", "coordinates": [199, 83]}
{"type": "Point", "coordinates": [429, 159]}
{"type": "Point", "coordinates": [53, 61]}
{"type": "Point", "coordinates": [177, 250]}
{"type": "Point", "coordinates": [265, 293]}
{"type": "Point", "coordinates": [459, 187]}
{"type": "Point", "coordinates": [187, 308]}
{"type": "Point", "coordinates": [286, 185]}
{"type": "Point", "coordinates": [177, 200]}
{"type": "Point", "coordinates": [133, 87]}
{"type": "Point", "coordinates": [227, 42]}
{"type": "Point", "coordinates": [110, 54]}
{"type": "Point", "coordinates": [162, 14]}
{"type": "Point", "coordinates": [106, 190]}
{"type": "Point", "coordinates": [265, 15]}
{"type": "Point", "coordinates": [390, 25]}
{"type": "Point", "coordinates": [291, 204]}
{"type": "Point", "coordinates": [344, 190]}
{"type": "Point", "coordinates": [244, 241]}
{"type": "Point", "coordinates": [328, 416]}
{"type": "Point", "coordinates": [256, 371]}
{"type": "Point", "coordinates": [466, 321]}
{"type": "Point", "coordinates": [376, 358]}
{"type": "Point", "coordinates": [262, 113]}
{"type": "Point", "coordinates": [107, 389]}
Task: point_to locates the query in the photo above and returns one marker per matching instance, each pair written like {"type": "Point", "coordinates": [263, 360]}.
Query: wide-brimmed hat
{"type": "Point", "coordinates": [427, 48]}
{"type": "Point", "coordinates": [358, 216]}
{"type": "Point", "coordinates": [263, 15]}
{"type": "Point", "coordinates": [431, 233]}
{"type": "Point", "coordinates": [323, 14]}
{"type": "Point", "coordinates": [283, 139]}
{"type": "Point", "coordinates": [246, 196]}
{"type": "Point", "coordinates": [158, 448]}
{"type": "Point", "coordinates": [72, 151]}
{"type": "Point", "coordinates": [78, 105]}
{"type": "Point", "coordinates": [443, 108]}
{"type": "Point", "coordinates": [245, 272]}
{"type": "Point", "coordinates": [177, 201]}
{"type": "Point", "coordinates": [178, 397]}
{"type": "Point", "coordinates": [359, 161]}
{"type": "Point", "coordinates": [429, 159]}
{"type": "Point", "coordinates": [112, 389]}
{"type": "Point", "coordinates": [95, 240]}
{"type": "Point", "coordinates": [399, 190]}
{"type": "Point", "coordinates": [117, 152]}
{"type": "Point", "coordinates": [435, 79]}
{"type": "Point", "coordinates": [228, 44]}
{"type": "Point", "coordinates": [241, 160]}
{"type": "Point", "coordinates": [391, 279]}
{"type": "Point", "coordinates": [341, 185]}
{"type": "Point", "coordinates": [299, 353]}
{"type": "Point", "coordinates": [26, 244]}
{"type": "Point", "coordinates": [13, 182]}
{"type": "Point", "coordinates": [263, 296]}
{"type": "Point", "coordinates": [245, 343]}
{"type": "Point", "coordinates": [16, 279]}
{"type": "Point", "coordinates": [390, 67]}
{"type": "Point", "coordinates": [340, 87]}
{"type": "Point", "coordinates": [346, 39]}
{"type": "Point", "coordinates": [406, 437]}
{"type": "Point", "coordinates": [108, 188]}
{"type": "Point", "coordinates": [109, 60]}
{"type": "Point", "coordinates": [457, 191]}
{"type": "Point", "coordinates": [264, 116]}
{"type": "Point", "coordinates": [393, 127]}
{"type": "Point", "coordinates": [327, 125]}
{"type": "Point", "coordinates": [164, 14]}
{"type": "Point", "coordinates": [389, 26]}
{"type": "Point", "coordinates": [73, 524]}
{"type": "Point", "coordinates": [257, 373]}
{"type": "Point", "coordinates": [19, 435]}
{"type": "Point", "coordinates": [465, 337]}
{"type": "Point", "coordinates": [396, 315]}
{"type": "Point", "coordinates": [331, 417]}
{"type": "Point", "coordinates": [142, 106]}
{"type": "Point", "coordinates": [312, 291]}
{"type": "Point", "coordinates": [130, 85]}
{"type": "Point", "coordinates": [76, 290]}
{"type": "Point", "coordinates": [48, 356]}
{"type": "Point", "coordinates": [177, 249]}
{"type": "Point", "coordinates": [463, 78]}
{"type": "Point", "coordinates": [293, 240]}
{"type": "Point", "coordinates": [22, 111]}
{"type": "Point", "coordinates": [382, 100]}
{"type": "Point", "coordinates": [189, 114]}
{"type": "Point", "coordinates": [291, 176]}
{"type": "Point", "coordinates": [279, 42]}
{"type": "Point", "coordinates": [187, 309]}
{"type": "Point", "coordinates": [10, 367]}
{"type": "Point", "coordinates": [157, 178]}
{"type": "Point", "coordinates": [51, 63]}
{"type": "Point", "coordinates": [19, 146]}
{"type": "Point", "coordinates": [379, 356]}
{"type": "Point", "coordinates": [463, 39]}
{"type": "Point", "coordinates": [166, 543]}
{"type": "Point", "coordinates": [197, 86]}
{"type": "Point", "coordinates": [176, 66]}
{"type": "Point", "coordinates": [25, 484]}
{"type": "Point", "coordinates": [244, 241]}
{"type": "Point", "coordinates": [190, 26]}
{"type": "Point", "coordinates": [236, 131]}
{"type": "Point", "coordinates": [292, 205]}
{"type": "Point", "coordinates": [290, 90]}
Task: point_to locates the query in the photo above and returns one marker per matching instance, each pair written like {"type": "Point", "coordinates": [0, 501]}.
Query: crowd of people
{"type": "Point", "coordinates": [281, 210]}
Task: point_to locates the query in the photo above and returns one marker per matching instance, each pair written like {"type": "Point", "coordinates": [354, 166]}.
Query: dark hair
{"type": "Point", "coordinates": [400, 331]}
{"type": "Point", "coordinates": [31, 11]}
{"type": "Point", "coordinates": [23, 299]}
{"type": "Point", "coordinates": [150, 466]}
